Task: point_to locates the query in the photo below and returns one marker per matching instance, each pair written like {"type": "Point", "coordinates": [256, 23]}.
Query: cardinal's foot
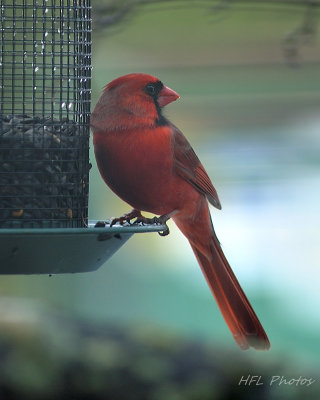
{"type": "Point", "coordinates": [127, 217]}
{"type": "Point", "coordinates": [139, 218]}
{"type": "Point", "coordinates": [162, 220]}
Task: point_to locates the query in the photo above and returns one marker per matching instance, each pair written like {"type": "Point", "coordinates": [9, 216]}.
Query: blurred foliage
{"type": "Point", "coordinates": [110, 13]}
{"type": "Point", "coordinates": [47, 354]}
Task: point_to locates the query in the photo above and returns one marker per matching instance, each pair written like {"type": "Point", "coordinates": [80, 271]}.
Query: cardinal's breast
{"type": "Point", "coordinates": [138, 166]}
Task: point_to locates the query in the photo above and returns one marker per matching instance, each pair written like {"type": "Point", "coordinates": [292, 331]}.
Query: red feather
{"type": "Point", "coordinates": [188, 166]}
{"type": "Point", "coordinates": [150, 164]}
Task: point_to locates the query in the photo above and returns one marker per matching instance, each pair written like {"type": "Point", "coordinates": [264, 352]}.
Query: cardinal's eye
{"type": "Point", "coordinates": [153, 89]}
{"type": "Point", "coordinates": [150, 89]}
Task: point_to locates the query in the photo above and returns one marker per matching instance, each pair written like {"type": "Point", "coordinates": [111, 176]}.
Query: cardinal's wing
{"type": "Point", "coordinates": [188, 166]}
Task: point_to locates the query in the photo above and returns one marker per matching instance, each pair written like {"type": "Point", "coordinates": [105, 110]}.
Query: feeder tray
{"type": "Point", "coordinates": [63, 250]}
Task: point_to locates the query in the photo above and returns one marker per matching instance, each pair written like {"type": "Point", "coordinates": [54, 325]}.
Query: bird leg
{"type": "Point", "coordinates": [162, 220]}
{"type": "Point", "coordinates": [124, 218]}
{"type": "Point", "coordinates": [128, 217]}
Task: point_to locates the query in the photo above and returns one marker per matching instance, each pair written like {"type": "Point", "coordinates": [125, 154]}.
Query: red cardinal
{"type": "Point", "coordinates": [149, 163]}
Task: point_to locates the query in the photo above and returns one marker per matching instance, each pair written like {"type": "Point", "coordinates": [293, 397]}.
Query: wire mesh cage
{"type": "Point", "coordinates": [45, 67]}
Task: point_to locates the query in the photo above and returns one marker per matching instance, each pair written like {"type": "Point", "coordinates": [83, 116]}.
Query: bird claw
{"type": "Point", "coordinates": [162, 220]}
{"type": "Point", "coordinates": [127, 217]}
{"type": "Point", "coordinates": [165, 232]}
{"type": "Point", "coordinates": [155, 220]}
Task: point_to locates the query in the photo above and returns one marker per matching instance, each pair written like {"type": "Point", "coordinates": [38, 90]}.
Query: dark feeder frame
{"type": "Point", "coordinates": [45, 64]}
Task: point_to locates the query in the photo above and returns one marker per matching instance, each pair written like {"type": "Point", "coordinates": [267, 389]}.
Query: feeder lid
{"type": "Point", "coordinates": [63, 250]}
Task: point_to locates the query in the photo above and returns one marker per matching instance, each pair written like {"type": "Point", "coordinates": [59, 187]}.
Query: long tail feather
{"type": "Point", "coordinates": [231, 299]}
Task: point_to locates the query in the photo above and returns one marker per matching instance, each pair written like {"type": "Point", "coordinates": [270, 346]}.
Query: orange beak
{"type": "Point", "coordinates": [166, 96]}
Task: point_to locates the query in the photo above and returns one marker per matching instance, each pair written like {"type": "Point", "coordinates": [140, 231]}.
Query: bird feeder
{"type": "Point", "coordinates": [45, 72]}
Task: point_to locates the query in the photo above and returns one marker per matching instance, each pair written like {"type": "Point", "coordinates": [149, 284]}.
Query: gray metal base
{"type": "Point", "coordinates": [60, 250]}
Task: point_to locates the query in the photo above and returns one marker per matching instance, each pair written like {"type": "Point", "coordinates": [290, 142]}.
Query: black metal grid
{"type": "Point", "coordinates": [45, 70]}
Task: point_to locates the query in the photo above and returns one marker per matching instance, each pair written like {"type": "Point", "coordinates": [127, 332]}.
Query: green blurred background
{"type": "Point", "coordinates": [250, 106]}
